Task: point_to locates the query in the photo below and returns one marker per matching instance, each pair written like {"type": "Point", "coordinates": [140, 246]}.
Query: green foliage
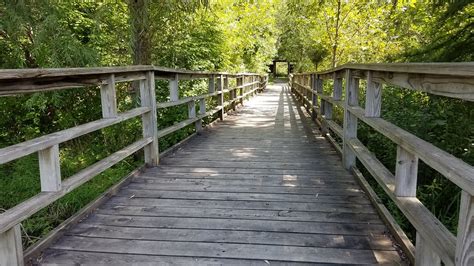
{"type": "Point", "coordinates": [228, 35]}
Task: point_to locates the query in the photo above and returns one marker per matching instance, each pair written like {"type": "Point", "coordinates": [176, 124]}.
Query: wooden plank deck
{"type": "Point", "coordinates": [261, 187]}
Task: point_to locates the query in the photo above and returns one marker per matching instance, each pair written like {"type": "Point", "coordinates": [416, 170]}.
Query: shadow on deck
{"type": "Point", "coordinates": [261, 187]}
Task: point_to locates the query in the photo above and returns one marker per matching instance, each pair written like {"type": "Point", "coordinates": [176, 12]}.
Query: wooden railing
{"type": "Point", "coordinates": [434, 242]}
{"type": "Point", "coordinates": [14, 82]}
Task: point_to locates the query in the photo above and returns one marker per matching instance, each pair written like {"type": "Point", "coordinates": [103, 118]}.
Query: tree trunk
{"type": "Point", "coordinates": [336, 35]}
{"type": "Point", "coordinates": [140, 37]}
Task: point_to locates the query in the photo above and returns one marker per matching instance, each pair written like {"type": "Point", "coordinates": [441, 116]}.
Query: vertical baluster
{"type": "Point", "coordinates": [192, 112]}
{"type": "Point", "coordinates": [373, 95]}
{"type": "Point", "coordinates": [108, 98]}
{"type": "Point", "coordinates": [202, 111]}
{"type": "Point", "coordinates": [406, 172]}
{"type": "Point", "coordinates": [149, 119]}
{"type": "Point", "coordinates": [240, 82]}
{"type": "Point", "coordinates": [314, 96]}
{"type": "Point", "coordinates": [50, 171]}
{"type": "Point", "coordinates": [220, 96]}
{"type": "Point", "coordinates": [350, 120]}
{"type": "Point", "coordinates": [11, 250]}
{"type": "Point", "coordinates": [212, 84]}
{"type": "Point", "coordinates": [173, 87]}
{"type": "Point", "coordinates": [465, 237]}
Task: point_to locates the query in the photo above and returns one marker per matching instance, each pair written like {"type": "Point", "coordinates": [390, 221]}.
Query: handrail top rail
{"type": "Point", "coordinates": [449, 69]}
{"type": "Point", "coordinates": [28, 73]}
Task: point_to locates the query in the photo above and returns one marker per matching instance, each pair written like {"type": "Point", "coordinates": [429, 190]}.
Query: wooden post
{"type": "Point", "coordinates": [212, 84]}
{"type": "Point", "coordinates": [350, 120]}
{"type": "Point", "coordinates": [192, 114]}
{"type": "Point", "coordinates": [11, 249]}
{"type": "Point", "coordinates": [373, 96]}
{"type": "Point", "coordinates": [149, 119]}
{"type": "Point", "coordinates": [465, 237]}
{"type": "Point", "coordinates": [202, 110]}
{"type": "Point", "coordinates": [220, 96]}
{"type": "Point", "coordinates": [319, 90]}
{"type": "Point", "coordinates": [406, 172]}
{"type": "Point", "coordinates": [173, 86]}
{"type": "Point", "coordinates": [424, 255]}
{"type": "Point", "coordinates": [314, 98]}
{"type": "Point", "coordinates": [240, 82]}
{"type": "Point", "coordinates": [108, 98]}
{"type": "Point", "coordinates": [337, 89]}
{"type": "Point", "coordinates": [50, 171]}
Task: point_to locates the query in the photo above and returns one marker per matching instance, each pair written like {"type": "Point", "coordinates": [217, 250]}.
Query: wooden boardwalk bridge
{"type": "Point", "coordinates": [265, 185]}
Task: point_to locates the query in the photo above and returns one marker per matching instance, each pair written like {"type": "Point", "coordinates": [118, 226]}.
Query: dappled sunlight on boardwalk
{"type": "Point", "coordinates": [261, 187]}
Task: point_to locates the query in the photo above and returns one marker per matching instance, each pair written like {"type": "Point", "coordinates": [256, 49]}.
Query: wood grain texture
{"type": "Point", "coordinates": [108, 98]}
{"type": "Point", "coordinates": [149, 119]}
{"type": "Point", "coordinates": [351, 98]}
{"type": "Point", "coordinates": [406, 173]}
{"type": "Point", "coordinates": [173, 88]}
{"type": "Point", "coordinates": [465, 238]}
{"type": "Point", "coordinates": [373, 102]}
{"type": "Point", "coordinates": [50, 171]}
{"type": "Point", "coordinates": [239, 193]}
{"type": "Point", "coordinates": [425, 255]}
{"type": "Point", "coordinates": [11, 250]}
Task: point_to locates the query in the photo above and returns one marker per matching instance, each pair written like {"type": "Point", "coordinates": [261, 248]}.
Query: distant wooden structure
{"type": "Point", "coordinates": [261, 185]}
{"type": "Point", "coordinates": [273, 66]}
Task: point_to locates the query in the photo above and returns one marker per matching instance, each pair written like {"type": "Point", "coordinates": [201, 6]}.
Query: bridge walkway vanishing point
{"type": "Point", "coordinates": [261, 187]}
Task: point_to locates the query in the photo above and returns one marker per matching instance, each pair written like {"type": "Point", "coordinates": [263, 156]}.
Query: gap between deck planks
{"type": "Point", "coordinates": [260, 187]}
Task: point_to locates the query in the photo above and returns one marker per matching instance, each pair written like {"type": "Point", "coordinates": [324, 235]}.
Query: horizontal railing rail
{"type": "Point", "coordinates": [20, 81]}
{"type": "Point", "coordinates": [434, 242]}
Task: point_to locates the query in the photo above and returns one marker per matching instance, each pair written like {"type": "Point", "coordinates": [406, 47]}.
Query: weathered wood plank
{"type": "Point", "coordinates": [238, 237]}
{"type": "Point", "coordinates": [254, 205]}
{"type": "Point", "coordinates": [54, 257]}
{"type": "Point", "coordinates": [274, 215]}
{"type": "Point", "coordinates": [238, 196]}
{"type": "Point", "coordinates": [237, 225]}
{"type": "Point", "coordinates": [222, 250]}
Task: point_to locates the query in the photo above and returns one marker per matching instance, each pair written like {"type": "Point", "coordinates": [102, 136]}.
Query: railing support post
{"type": "Point", "coordinates": [192, 113]}
{"type": "Point", "coordinates": [108, 98]}
{"type": "Point", "coordinates": [406, 172]}
{"type": "Point", "coordinates": [424, 255]}
{"type": "Point", "coordinates": [11, 249]}
{"type": "Point", "coordinates": [50, 171]}
{"type": "Point", "coordinates": [173, 87]}
{"type": "Point", "coordinates": [202, 111]}
{"type": "Point", "coordinates": [149, 119]}
{"type": "Point", "coordinates": [314, 98]}
{"type": "Point", "coordinates": [220, 96]}
{"type": "Point", "coordinates": [350, 120]}
{"type": "Point", "coordinates": [240, 82]}
{"type": "Point", "coordinates": [373, 102]}
{"type": "Point", "coordinates": [465, 237]}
